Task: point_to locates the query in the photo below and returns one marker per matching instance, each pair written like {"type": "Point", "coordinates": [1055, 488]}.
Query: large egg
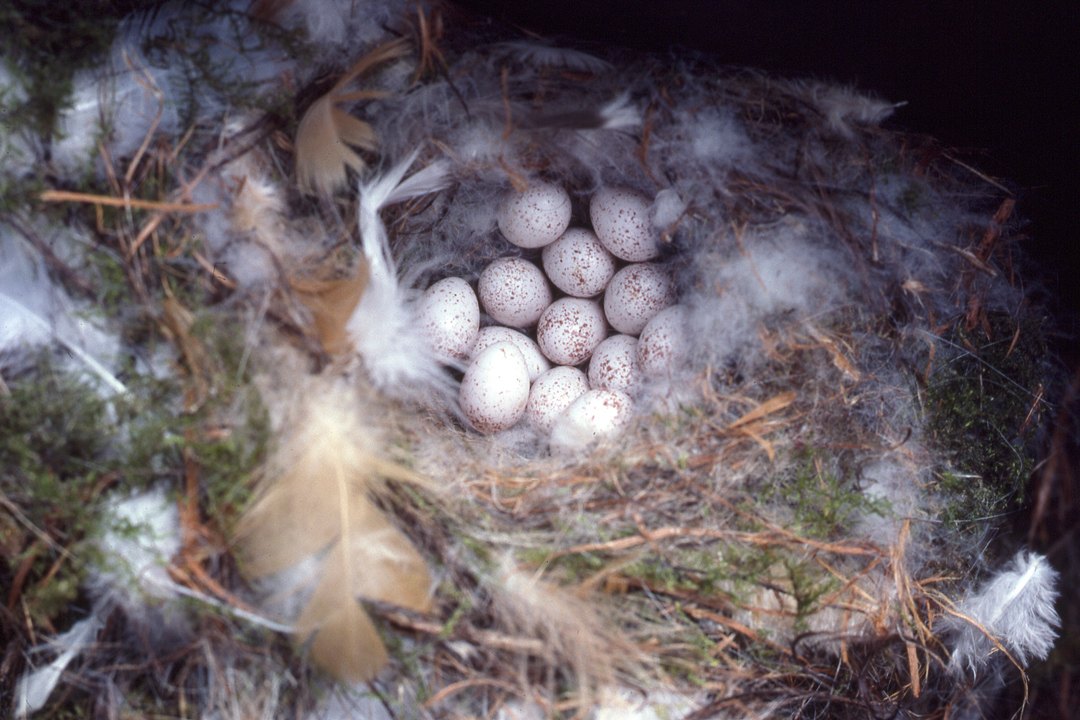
{"type": "Point", "coordinates": [596, 414]}
{"type": "Point", "coordinates": [635, 295]}
{"type": "Point", "coordinates": [534, 359]}
{"type": "Point", "coordinates": [552, 393]}
{"type": "Point", "coordinates": [450, 316]}
{"type": "Point", "coordinates": [570, 329]}
{"type": "Point", "coordinates": [578, 264]}
{"type": "Point", "coordinates": [495, 388]}
{"type": "Point", "coordinates": [661, 342]}
{"type": "Point", "coordinates": [513, 292]}
{"type": "Point", "coordinates": [620, 219]}
{"type": "Point", "coordinates": [536, 217]}
{"type": "Point", "coordinates": [614, 364]}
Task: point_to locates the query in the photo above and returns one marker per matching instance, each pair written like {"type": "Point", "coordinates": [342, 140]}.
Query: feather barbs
{"type": "Point", "coordinates": [327, 134]}
{"type": "Point", "coordinates": [1014, 611]}
{"type": "Point", "coordinates": [316, 537]}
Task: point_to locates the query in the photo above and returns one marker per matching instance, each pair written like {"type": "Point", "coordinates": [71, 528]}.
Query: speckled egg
{"type": "Point", "coordinates": [596, 414]}
{"type": "Point", "coordinates": [514, 292]}
{"type": "Point", "coordinates": [450, 316]}
{"type": "Point", "coordinates": [578, 264]}
{"type": "Point", "coordinates": [661, 342]}
{"type": "Point", "coordinates": [495, 388]}
{"type": "Point", "coordinates": [536, 217]}
{"type": "Point", "coordinates": [635, 295]}
{"type": "Point", "coordinates": [552, 393]}
{"type": "Point", "coordinates": [570, 329]}
{"type": "Point", "coordinates": [620, 219]}
{"type": "Point", "coordinates": [614, 364]}
{"type": "Point", "coordinates": [534, 359]}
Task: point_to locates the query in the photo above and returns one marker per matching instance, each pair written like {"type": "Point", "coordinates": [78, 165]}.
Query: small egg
{"type": "Point", "coordinates": [578, 264]}
{"type": "Point", "coordinates": [614, 364]}
{"type": "Point", "coordinates": [661, 342]}
{"type": "Point", "coordinates": [596, 414]}
{"type": "Point", "coordinates": [495, 388]}
{"type": "Point", "coordinates": [514, 292]}
{"type": "Point", "coordinates": [536, 217]}
{"type": "Point", "coordinates": [552, 393]}
{"type": "Point", "coordinates": [534, 359]}
{"type": "Point", "coordinates": [635, 295]}
{"type": "Point", "coordinates": [570, 329]}
{"type": "Point", "coordinates": [620, 219]}
{"type": "Point", "coordinates": [450, 316]}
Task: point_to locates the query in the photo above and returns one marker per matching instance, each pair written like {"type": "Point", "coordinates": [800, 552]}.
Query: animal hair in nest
{"type": "Point", "coordinates": [779, 528]}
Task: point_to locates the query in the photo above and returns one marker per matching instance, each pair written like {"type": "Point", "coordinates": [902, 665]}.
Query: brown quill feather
{"type": "Point", "coordinates": [316, 507]}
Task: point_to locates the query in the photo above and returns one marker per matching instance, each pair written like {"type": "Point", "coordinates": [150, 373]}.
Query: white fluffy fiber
{"type": "Point", "coordinates": [385, 327]}
{"type": "Point", "coordinates": [141, 92]}
{"type": "Point", "coordinates": [139, 534]}
{"type": "Point", "coordinates": [1014, 610]}
{"type": "Point", "coordinates": [35, 311]}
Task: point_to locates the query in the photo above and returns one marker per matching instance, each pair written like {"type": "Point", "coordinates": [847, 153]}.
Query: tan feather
{"type": "Point", "coordinates": [331, 304]}
{"type": "Point", "coordinates": [326, 134]}
{"type": "Point", "coordinates": [316, 507]}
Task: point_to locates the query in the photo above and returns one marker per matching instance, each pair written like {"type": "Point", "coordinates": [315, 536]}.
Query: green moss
{"type": "Point", "coordinates": [54, 431]}
{"type": "Point", "coordinates": [48, 43]}
{"type": "Point", "coordinates": [52, 426]}
{"type": "Point", "coordinates": [65, 448]}
{"type": "Point", "coordinates": [823, 504]}
{"type": "Point", "coordinates": [983, 414]}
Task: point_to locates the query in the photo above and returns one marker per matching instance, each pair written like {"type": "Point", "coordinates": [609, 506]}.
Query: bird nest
{"type": "Point", "coordinates": [785, 527]}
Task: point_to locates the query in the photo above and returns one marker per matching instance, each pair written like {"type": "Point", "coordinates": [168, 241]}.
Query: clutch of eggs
{"type": "Point", "coordinates": [623, 322]}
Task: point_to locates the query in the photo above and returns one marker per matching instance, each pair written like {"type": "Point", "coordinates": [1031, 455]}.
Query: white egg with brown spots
{"type": "Point", "coordinates": [552, 393]}
{"type": "Point", "coordinates": [450, 316]}
{"type": "Point", "coordinates": [635, 295]}
{"type": "Point", "coordinates": [495, 388]}
{"type": "Point", "coordinates": [536, 217]}
{"type": "Point", "coordinates": [595, 415]}
{"type": "Point", "coordinates": [570, 329]}
{"type": "Point", "coordinates": [514, 292]}
{"type": "Point", "coordinates": [578, 263]}
{"type": "Point", "coordinates": [534, 359]}
{"type": "Point", "coordinates": [614, 364]}
{"type": "Point", "coordinates": [661, 344]}
{"type": "Point", "coordinates": [620, 219]}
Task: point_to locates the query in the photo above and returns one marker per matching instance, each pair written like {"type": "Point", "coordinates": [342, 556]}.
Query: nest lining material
{"type": "Point", "coordinates": [767, 537]}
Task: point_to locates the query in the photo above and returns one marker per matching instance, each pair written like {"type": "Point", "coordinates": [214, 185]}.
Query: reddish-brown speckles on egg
{"type": "Point", "coordinates": [536, 217]}
{"type": "Point", "coordinates": [635, 295]}
{"type": "Point", "coordinates": [614, 364]}
{"type": "Point", "coordinates": [514, 292]}
{"type": "Point", "coordinates": [552, 393]}
{"type": "Point", "coordinates": [660, 346]}
{"type": "Point", "coordinates": [450, 314]}
{"type": "Point", "coordinates": [570, 329]}
{"type": "Point", "coordinates": [495, 388]}
{"type": "Point", "coordinates": [578, 264]}
{"type": "Point", "coordinates": [620, 218]}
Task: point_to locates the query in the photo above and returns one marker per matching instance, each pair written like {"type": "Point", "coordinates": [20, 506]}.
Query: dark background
{"type": "Point", "coordinates": [993, 77]}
